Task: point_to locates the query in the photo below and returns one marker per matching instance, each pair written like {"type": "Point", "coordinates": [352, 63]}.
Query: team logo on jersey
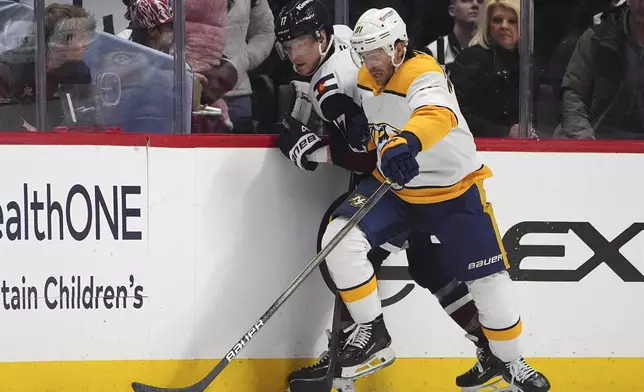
{"type": "Point", "coordinates": [381, 133]}
{"type": "Point", "coordinates": [325, 86]}
{"type": "Point", "coordinates": [357, 201]}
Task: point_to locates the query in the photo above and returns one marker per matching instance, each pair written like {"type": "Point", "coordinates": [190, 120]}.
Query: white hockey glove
{"type": "Point", "coordinates": [297, 142]}
{"type": "Point", "coordinates": [302, 106]}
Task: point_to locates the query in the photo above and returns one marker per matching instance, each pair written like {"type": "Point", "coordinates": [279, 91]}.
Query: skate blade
{"type": "Point", "coordinates": [494, 385]}
{"type": "Point", "coordinates": [379, 360]}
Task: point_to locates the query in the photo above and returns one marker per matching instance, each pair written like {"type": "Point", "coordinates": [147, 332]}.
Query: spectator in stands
{"type": "Point", "coordinates": [205, 40]}
{"type": "Point", "coordinates": [465, 13]}
{"type": "Point", "coordinates": [68, 30]}
{"type": "Point", "coordinates": [486, 74]}
{"type": "Point", "coordinates": [151, 22]}
{"type": "Point", "coordinates": [603, 88]}
{"type": "Point", "coordinates": [250, 39]}
{"type": "Point", "coordinates": [597, 19]}
{"type": "Point", "coordinates": [581, 20]}
{"type": "Point", "coordinates": [205, 43]}
{"type": "Point", "coordinates": [221, 80]}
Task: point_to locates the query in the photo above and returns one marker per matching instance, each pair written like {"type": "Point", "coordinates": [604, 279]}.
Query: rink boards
{"type": "Point", "coordinates": [177, 245]}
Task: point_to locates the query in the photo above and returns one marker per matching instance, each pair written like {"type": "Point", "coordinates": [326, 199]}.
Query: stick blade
{"type": "Point", "coordinates": [138, 387]}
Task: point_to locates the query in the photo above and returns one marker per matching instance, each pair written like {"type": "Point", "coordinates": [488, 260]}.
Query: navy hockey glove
{"type": "Point", "coordinates": [296, 141]}
{"type": "Point", "coordinates": [357, 129]}
{"type": "Point", "coordinates": [398, 158]}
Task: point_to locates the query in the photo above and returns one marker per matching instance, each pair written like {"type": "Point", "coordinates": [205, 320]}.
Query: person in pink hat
{"type": "Point", "coordinates": [151, 22]}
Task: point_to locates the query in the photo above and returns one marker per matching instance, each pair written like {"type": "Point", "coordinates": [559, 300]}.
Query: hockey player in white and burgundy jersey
{"type": "Point", "coordinates": [321, 52]}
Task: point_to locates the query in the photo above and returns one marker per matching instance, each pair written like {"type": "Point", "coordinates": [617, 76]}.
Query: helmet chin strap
{"type": "Point", "coordinates": [322, 57]}
{"type": "Point", "coordinates": [393, 59]}
{"type": "Point", "coordinates": [393, 62]}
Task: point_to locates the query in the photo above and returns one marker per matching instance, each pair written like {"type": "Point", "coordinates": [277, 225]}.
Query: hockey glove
{"type": "Point", "coordinates": [357, 129]}
{"type": "Point", "coordinates": [296, 141]}
{"type": "Point", "coordinates": [398, 158]}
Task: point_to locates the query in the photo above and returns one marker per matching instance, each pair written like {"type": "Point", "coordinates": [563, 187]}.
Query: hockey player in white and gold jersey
{"type": "Point", "coordinates": [424, 145]}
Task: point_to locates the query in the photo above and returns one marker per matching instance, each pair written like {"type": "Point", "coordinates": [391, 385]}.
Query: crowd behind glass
{"type": "Point", "coordinates": [134, 67]}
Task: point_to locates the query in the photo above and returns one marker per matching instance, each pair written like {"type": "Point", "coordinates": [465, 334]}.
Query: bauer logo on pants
{"type": "Point", "coordinates": [486, 262]}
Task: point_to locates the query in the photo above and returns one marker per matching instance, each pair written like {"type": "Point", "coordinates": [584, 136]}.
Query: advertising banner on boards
{"type": "Point", "coordinates": [147, 257]}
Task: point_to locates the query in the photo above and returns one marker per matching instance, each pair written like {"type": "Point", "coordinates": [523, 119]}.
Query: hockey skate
{"type": "Point", "coordinates": [313, 378]}
{"type": "Point", "coordinates": [366, 350]}
{"type": "Point", "coordinates": [523, 378]}
{"type": "Point", "coordinates": [485, 376]}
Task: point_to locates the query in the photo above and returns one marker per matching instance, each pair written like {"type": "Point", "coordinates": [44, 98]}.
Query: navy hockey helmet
{"type": "Point", "coordinates": [301, 17]}
{"type": "Point", "coordinates": [298, 20]}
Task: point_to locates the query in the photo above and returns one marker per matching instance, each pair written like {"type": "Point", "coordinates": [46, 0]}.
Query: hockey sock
{"type": "Point", "coordinates": [498, 314]}
{"type": "Point", "coordinates": [376, 257]}
{"type": "Point", "coordinates": [457, 302]}
{"type": "Point", "coordinates": [352, 272]}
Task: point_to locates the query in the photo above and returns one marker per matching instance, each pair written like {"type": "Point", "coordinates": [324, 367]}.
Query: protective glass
{"type": "Point", "coordinates": [68, 45]}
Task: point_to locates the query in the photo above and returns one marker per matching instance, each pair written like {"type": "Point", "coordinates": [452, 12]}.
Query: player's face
{"type": "Point", "coordinates": [304, 53]}
{"type": "Point", "coordinates": [379, 65]}
{"type": "Point", "coordinates": [465, 11]}
{"type": "Point", "coordinates": [504, 27]}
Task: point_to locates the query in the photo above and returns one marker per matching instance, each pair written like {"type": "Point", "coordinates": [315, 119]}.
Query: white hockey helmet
{"type": "Point", "coordinates": [378, 28]}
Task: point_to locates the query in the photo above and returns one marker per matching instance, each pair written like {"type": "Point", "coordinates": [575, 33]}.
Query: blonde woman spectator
{"type": "Point", "coordinates": [250, 39]}
{"type": "Point", "coordinates": [486, 75]}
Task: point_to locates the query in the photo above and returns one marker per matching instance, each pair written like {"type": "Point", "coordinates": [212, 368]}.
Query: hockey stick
{"type": "Point", "coordinates": [243, 342]}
